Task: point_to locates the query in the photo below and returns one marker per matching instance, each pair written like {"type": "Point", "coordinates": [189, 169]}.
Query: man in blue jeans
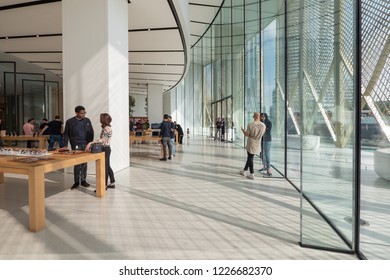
{"type": "Point", "coordinates": [266, 143]}
{"type": "Point", "coordinates": [79, 132]}
{"type": "Point", "coordinates": [172, 136]}
{"type": "Point", "coordinates": [165, 133]}
{"type": "Point", "coordinates": [56, 129]}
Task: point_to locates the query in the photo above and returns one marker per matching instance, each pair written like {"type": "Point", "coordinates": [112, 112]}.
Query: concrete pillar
{"type": "Point", "coordinates": [95, 58]}
{"type": "Point", "coordinates": [155, 103]}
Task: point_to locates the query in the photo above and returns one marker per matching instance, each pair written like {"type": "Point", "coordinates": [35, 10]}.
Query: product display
{"type": "Point", "coordinates": [23, 152]}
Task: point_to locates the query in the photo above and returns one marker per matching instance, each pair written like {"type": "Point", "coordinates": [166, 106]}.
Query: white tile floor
{"type": "Point", "coordinates": [195, 206]}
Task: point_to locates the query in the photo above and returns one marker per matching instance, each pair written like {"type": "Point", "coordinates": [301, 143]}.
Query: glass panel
{"type": "Point", "coordinates": [197, 87]}
{"type": "Point", "coordinates": [293, 102]}
{"type": "Point", "coordinates": [238, 68]}
{"type": "Point", "coordinates": [216, 58]}
{"type": "Point", "coordinates": [230, 129]}
{"type": "Point", "coordinates": [33, 99]}
{"type": "Point", "coordinates": [326, 103]}
{"type": "Point", "coordinates": [375, 133]}
{"type": "Point", "coordinates": [52, 97]}
{"type": "Point", "coordinates": [8, 110]}
{"type": "Point", "coordinates": [207, 83]}
{"type": "Point", "coordinates": [252, 59]}
{"type": "Point", "coordinates": [226, 50]}
{"type": "Point", "coordinates": [274, 78]}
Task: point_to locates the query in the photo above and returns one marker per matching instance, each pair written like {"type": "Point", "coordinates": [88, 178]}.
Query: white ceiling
{"type": "Point", "coordinates": [157, 53]}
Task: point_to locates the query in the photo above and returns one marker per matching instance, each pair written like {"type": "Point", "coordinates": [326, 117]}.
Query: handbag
{"type": "Point", "coordinates": [96, 148]}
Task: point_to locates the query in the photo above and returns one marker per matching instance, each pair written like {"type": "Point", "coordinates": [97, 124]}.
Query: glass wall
{"type": "Point", "coordinates": [26, 95]}
{"type": "Point", "coordinates": [375, 132]}
{"type": "Point", "coordinates": [326, 101]}
{"type": "Point", "coordinates": [273, 93]}
{"type": "Point", "coordinates": [238, 69]}
{"type": "Point", "coordinates": [298, 61]}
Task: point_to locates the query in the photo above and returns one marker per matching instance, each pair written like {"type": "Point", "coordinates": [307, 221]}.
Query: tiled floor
{"type": "Point", "coordinates": [196, 206]}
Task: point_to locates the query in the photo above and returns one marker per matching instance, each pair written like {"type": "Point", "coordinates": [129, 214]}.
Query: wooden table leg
{"type": "Point", "coordinates": [41, 144]}
{"type": "Point", "coordinates": [36, 199]}
{"type": "Point", "coordinates": [100, 177]}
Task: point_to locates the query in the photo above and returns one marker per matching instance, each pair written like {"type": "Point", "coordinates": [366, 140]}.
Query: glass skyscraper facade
{"type": "Point", "coordinates": [321, 71]}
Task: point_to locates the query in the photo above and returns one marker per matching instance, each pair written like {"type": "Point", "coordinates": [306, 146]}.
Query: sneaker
{"type": "Point", "coordinates": [75, 186]}
{"type": "Point", "coordinates": [163, 159]}
{"type": "Point", "coordinates": [251, 176]}
{"type": "Point", "coordinates": [169, 157]}
{"type": "Point", "coordinates": [262, 169]}
{"type": "Point", "coordinates": [243, 172]}
{"type": "Point", "coordinates": [85, 184]}
{"type": "Point", "coordinates": [111, 186]}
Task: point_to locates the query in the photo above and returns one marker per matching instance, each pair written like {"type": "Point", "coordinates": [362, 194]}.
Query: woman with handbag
{"type": "Point", "coordinates": [105, 141]}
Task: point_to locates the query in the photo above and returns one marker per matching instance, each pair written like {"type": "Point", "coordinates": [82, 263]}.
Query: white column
{"type": "Point", "coordinates": [155, 103]}
{"type": "Point", "coordinates": [95, 65]}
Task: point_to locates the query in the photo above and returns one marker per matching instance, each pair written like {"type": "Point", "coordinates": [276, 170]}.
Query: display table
{"type": "Point", "coordinates": [146, 136]}
{"type": "Point", "coordinates": [134, 138]}
{"type": "Point", "coordinates": [36, 167]}
{"type": "Point", "coordinates": [41, 139]}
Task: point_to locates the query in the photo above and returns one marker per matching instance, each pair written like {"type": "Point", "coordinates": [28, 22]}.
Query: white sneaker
{"type": "Point", "coordinates": [243, 172]}
{"type": "Point", "coordinates": [251, 176]}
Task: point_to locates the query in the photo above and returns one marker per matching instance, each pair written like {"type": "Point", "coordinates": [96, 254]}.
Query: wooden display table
{"type": "Point", "coordinates": [147, 136]}
{"type": "Point", "coordinates": [134, 138]}
{"type": "Point", "coordinates": [36, 167]}
{"type": "Point", "coordinates": [41, 139]}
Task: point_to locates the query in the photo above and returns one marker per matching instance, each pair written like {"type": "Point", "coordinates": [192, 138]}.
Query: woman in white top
{"type": "Point", "coordinates": [105, 140]}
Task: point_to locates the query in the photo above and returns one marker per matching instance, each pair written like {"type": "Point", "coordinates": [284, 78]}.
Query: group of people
{"type": "Point", "coordinates": [52, 128]}
{"type": "Point", "coordinates": [220, 129]}
{"type": "Point", "coordinates": [139, 125]}
{"type": "Point", "coordinates": [168, 130]}
{"type": "Point", "coordinates": [79, 133]}
{"type": "Point", "coordinates": [259, 141]}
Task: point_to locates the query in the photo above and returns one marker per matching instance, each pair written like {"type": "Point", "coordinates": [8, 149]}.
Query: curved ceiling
{"type": "Point", "coordinates": [32, 31]}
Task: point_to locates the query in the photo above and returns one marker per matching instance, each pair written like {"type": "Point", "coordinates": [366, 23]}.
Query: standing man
{"type": "Point", "coordinates": [56, 130]}
{"type": "Point", "coordinates": [266, 145]}
{"type": "Point", "coordinates": [180, 133]}
{"type": "Point", "coordinates": [29, 129]}
{"type": "Point", "coordinates": [172, 137]}
{"type": "Point", "coordinates": [44, 128]}
{"type": "Point", "coordinates": [222, 125]}
{"type": "Point", "coordinates": [218, 129]}
{"type": "Point", "coordinates": [165, 134]}
{"type": "Point", "coordinates": [79, 132]}
{"type": "Point", "coordinates": [254, 132]}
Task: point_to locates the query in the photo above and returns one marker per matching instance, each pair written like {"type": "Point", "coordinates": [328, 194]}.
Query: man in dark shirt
{"type": "Point", "coordinates": [180, 133]}
{"type": "Point", "coordinates": [56, 129]}
{"type": "Point", "coordinates": [79, 132]}
{"type": "Point", "coordinates": [165, 132]}
{"type": "Point", "coordinates": [44, 128]}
